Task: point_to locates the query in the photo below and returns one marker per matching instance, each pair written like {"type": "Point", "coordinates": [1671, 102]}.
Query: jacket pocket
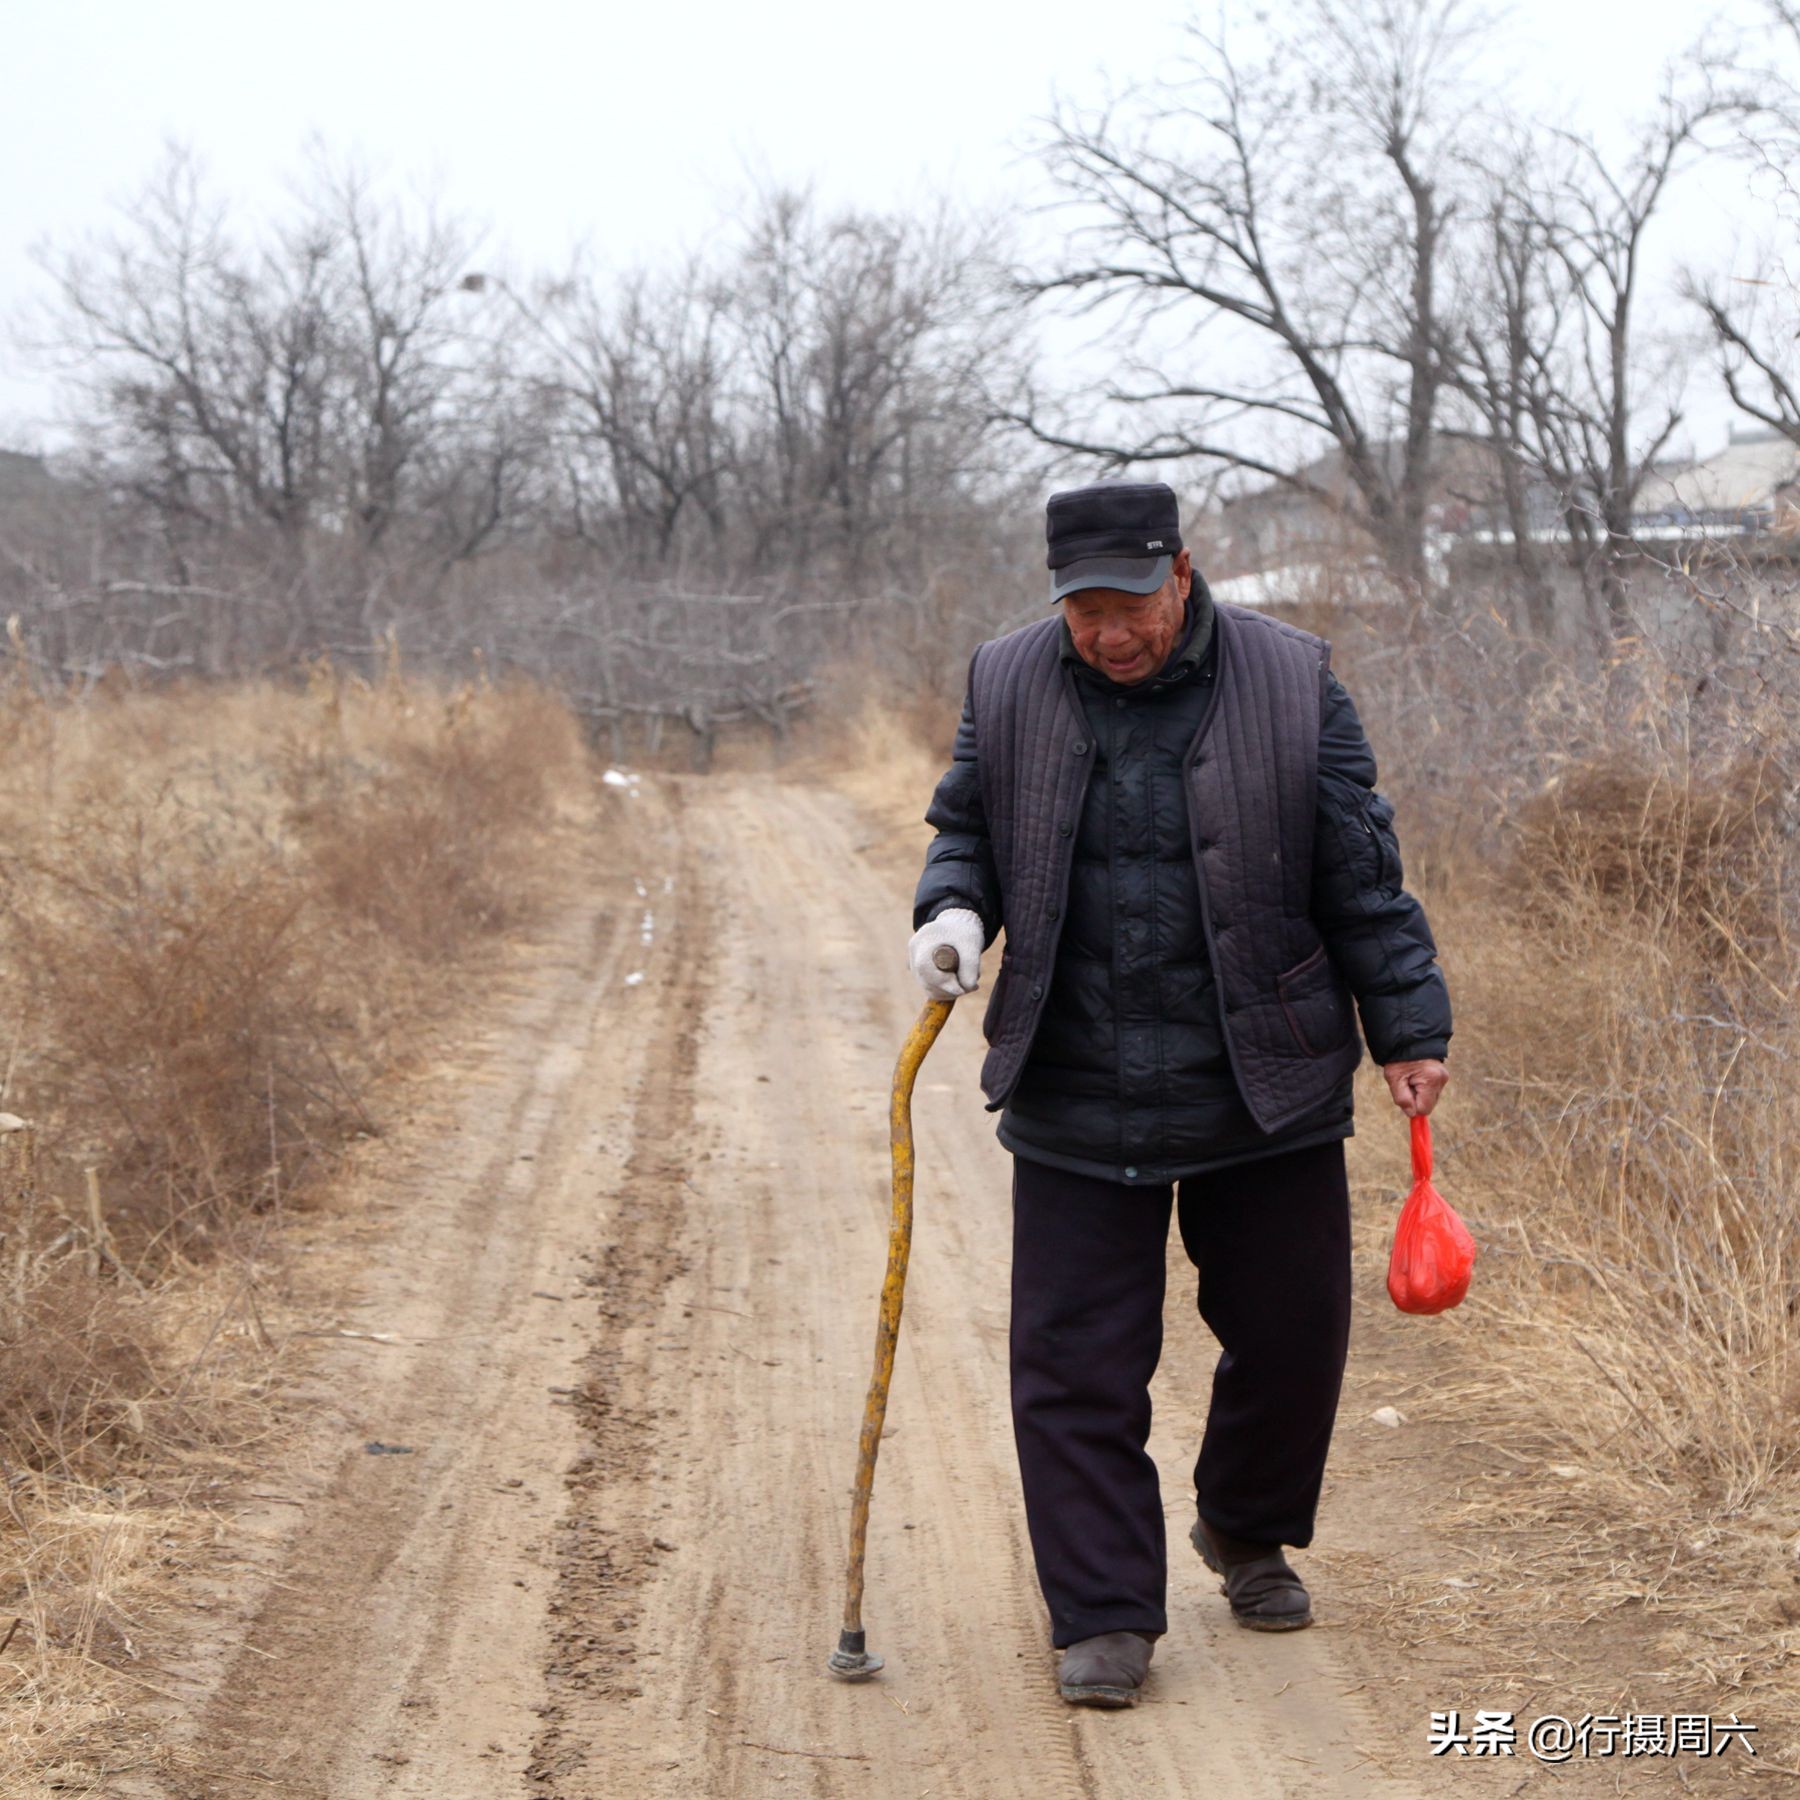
{"type": "Point", "coordinates": [1376, 817]}
{"type": "Point", "coordinates": [1315, 1002]}
{"type": "Point", "coordinates": [992, 1014]}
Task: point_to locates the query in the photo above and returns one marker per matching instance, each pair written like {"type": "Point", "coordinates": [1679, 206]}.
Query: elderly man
{"type": "Point", "coordinates": [1170, 806]}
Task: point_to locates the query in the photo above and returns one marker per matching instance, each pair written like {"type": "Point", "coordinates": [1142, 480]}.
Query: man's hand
{"type": "Point", "coordinates": [960, 928]}
{"type": "Point", "coordinates": [1416, 1085]}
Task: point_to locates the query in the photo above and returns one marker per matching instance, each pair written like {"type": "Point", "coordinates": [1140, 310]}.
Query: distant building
{"type": "Point", "coordinates": [1275, 529]}
{"type": "Point", "coordinates": [1752, 485]}
{"type": "Point", "coordinates": [23, 476]}
{"type": "Point", "coordinates": [1277, 524]}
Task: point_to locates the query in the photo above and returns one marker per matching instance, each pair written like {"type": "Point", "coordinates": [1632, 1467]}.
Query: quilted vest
{"type": "Point", "coordinates": [1249, 780]}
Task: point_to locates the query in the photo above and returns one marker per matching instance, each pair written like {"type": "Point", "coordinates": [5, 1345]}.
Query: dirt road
{"type": "Point", "coordinates": [626, 1292]}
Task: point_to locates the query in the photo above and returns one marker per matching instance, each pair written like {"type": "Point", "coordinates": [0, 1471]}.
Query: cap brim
{"type": "Point", "coordinates": [1129, 574]}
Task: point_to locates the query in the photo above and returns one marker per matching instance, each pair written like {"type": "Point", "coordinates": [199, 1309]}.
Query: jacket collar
{"type": "Point", "coordinates": [1189, 652]}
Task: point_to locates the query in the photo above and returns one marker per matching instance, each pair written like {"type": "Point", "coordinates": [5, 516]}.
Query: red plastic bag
{"type": "Point", "coordinates": [1434, 1254]}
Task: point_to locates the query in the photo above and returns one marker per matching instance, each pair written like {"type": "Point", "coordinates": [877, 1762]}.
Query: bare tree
{"type": "Point", "coordinates": [1752, 317]}
{"type": "Point", "coordinates": [1506, 308]}
{"type": "Point", "coordinates": [675, 491]}
{"type": "Point", "coordinates": [869, 344]}
{"type": "Point", "coordinates": [209, 369]}
{"type": "Point", "coordinates": [1754, 333]}
{"type": "Point", "coordinates": [287, 406]}
{"type": "Point", "coordinates": [787, 400]}
{"type": "Point", "coordinates": [1554, 361]}
{"type": "Point", "coordinates": [1606, 401]}
{"type": "Point", "coordinates": [399, 342]}
{"type": "Point", "coordinates": [646, 441]}
{"type": "Point", "coordinates": [1299, 201]}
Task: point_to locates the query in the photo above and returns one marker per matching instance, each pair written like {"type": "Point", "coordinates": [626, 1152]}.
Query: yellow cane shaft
{"type": "Point", "coordinates": [893, 1289]}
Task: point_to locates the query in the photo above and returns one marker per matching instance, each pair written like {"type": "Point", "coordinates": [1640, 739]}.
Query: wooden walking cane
{"type": "Point", "coordinates": [850, 1661]}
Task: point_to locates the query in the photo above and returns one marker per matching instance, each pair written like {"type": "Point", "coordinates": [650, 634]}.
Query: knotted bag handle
{"type": "Point", "coordinates": [1421, 1148]}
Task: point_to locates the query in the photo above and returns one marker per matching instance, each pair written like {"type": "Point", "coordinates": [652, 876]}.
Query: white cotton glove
{"type": "Point", "coordinates": [960, 928]}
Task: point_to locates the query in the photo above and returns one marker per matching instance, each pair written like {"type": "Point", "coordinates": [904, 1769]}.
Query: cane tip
{"type": "Point", "coordinates": [851, 1661]}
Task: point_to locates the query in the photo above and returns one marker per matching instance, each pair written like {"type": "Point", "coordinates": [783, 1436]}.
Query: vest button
{"type": "Point", "coordinates": [1053, 909]}
{"type": "Point", "coordinates": [1037, 990]}
{"type": "Point", "coordinates": [1119, 702]}
{"type": "Point", "coordinates": [1131, 1173]}
{"type": "Point", "coordinates": [1079, 747]}
{"type": "Point", "coordinates": [1063, 829]}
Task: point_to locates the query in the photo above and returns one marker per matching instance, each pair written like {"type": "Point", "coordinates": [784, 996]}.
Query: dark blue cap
{"type": "Point", "coordinates": [1113, 534]}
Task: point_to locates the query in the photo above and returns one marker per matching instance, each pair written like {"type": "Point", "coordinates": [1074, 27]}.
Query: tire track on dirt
{"type": "Point", "coordinates": [605, 1553]}
{"type": "Point", "coordinates": [383, 1632]}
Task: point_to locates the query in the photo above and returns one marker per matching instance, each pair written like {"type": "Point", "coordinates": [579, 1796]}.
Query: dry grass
{"type": "Point", "coordinates": [884, 742]}
{"type": "Point", "coordinates": [1675, 847]}
{"type": "Point", "coordinates": [411, 833]}
{"type": "Point", "coordinates": [1610, 888]}
{"type": "Point", "coordinates": [221, 913]}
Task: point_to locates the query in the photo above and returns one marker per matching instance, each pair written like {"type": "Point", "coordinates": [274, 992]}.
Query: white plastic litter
{"type": "Point", "coordinates": [634, 977]}
{"type": "Point", "coordinates": [1388, 1415]}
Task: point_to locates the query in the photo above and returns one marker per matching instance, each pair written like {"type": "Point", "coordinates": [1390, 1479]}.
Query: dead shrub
{"type": "Point", "coordinates": [78, 1371]}
{"type": "Point", "coordinates": [418, 840]}
{"type": "Point", "coordinates": [212, 934]}
{"type": "Point", "coordinates": [76, 1365]}
{"type": "Point", "coordinates": [185, 998]}
{"type": "Point", "coordinates": [1658, 841]}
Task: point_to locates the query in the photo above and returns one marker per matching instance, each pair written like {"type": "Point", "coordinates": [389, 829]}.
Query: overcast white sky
{"type": "Point", "coordinates": [633, 125]}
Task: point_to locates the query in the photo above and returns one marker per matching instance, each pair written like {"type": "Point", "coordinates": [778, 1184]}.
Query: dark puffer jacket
{"type": "Point", "coordinates": [1132, 955]}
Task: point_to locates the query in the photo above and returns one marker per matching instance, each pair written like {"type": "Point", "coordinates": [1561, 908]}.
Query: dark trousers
{"type": "Point", "coordinates": [1271, 1241]}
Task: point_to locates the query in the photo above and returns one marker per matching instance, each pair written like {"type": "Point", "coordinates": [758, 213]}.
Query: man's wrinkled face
{"type": "Point", "coordinates": [1128, 637]}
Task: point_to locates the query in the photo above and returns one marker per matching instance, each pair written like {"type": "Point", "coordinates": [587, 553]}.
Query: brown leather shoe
{"type": "Point", "coordinates": [1265, 1593]}
{"type": "Point", "coordinates": [1106, 1670]}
